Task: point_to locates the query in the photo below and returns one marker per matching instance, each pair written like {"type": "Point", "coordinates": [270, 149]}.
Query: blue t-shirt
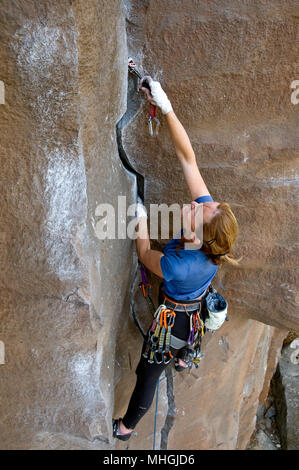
{"type": "Point", "coordinates": [188, 273]}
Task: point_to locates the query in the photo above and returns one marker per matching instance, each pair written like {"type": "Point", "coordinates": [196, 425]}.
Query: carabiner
{"type": "Point", "coordinates": [152, 116]}
{"type": "Point", "coordinates": [146, 351]}
{"type": "Point", "coordinates": [154, 340]}
{"type": "Point", "coordinates": [171, 319]}
{"type": "Point", "coordinates": [150, 126]}
{"type": "Point", "coordinates": [168, 353]}
{"type": "Point", "coordinates": [155, 357]}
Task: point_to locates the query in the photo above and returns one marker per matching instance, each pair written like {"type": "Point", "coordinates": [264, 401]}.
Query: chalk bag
{"type": "Point", "coordinates": [217, 309]}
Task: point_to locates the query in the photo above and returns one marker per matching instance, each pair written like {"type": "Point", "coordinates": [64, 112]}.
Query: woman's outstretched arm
{"type": "Point", "coordinates": [180, 138]}
{"type": "Point", "coordinates": [186, 156]}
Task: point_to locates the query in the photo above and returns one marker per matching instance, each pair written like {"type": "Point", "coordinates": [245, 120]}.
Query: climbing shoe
{"type": "Point", "coordinates": [178, 367]}
{"type": "Point", "coordinates": [190, 356]}
{"type": "Point", "coordinates": [116, 432]}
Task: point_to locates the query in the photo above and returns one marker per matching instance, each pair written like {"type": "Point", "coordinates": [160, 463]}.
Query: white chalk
{"type": "Point", "coordinates": [2, 92]}
{"type": "Point", "coordinates": [2, 353]}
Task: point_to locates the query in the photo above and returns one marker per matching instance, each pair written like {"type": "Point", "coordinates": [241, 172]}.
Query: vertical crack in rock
{"type": "Point", "coordinates": [133, 105]}
{"type": "Point", "coordinates": [171, 413]}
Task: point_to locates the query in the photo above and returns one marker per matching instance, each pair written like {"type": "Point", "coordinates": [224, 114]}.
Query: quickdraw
{"type": "Point", "coordinates": [158, 341]}
{"type": "Point", "coordinates": [146, 289]}
{"type": "Point", "coordinates": [152, 111]}
{"type": "Point", "coordinates": [196, 328]}
{"type": "Point", "coordinates": [152, 117]}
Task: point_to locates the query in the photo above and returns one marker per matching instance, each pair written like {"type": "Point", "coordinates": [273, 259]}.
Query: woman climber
{"type": "Point", "coordinates": [186, 273]}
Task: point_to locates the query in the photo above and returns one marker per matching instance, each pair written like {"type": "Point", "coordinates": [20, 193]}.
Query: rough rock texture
{"type": "Point", "coordinates": [215, 405]}
{"type": "Point", "coordinates": [227, 67]}
{"type": "Point", "coordinates": [286, 393]}
{"type": "Point", "coordinates": [266, 433]}
{"type": "Point", "coordinates": [263, 442]}
{"type": "Point", "coordinates": [62, 289]}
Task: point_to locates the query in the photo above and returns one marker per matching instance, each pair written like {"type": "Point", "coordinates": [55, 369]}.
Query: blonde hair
{"type": "Point", "coordinates": [219, 236]}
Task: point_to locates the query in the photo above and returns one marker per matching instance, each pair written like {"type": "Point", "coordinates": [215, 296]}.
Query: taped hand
{"type": "Point", "coordinates": [140, 209]}
{"type": "Point", "coordinates": [156, 95]}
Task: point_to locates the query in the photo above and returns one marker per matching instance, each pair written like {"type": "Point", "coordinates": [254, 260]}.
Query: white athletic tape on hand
{"type": "Point", "coordinates": [160, 96]}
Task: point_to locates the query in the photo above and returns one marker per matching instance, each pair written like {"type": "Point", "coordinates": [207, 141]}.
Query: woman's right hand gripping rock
{"type": "Point", "coordinates": [156, 95]}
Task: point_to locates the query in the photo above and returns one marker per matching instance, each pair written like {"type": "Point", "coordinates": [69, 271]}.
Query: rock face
{"type": "Point", "coordinates": [227, 68]}
{"type": "Point", "coordinates": [214, 406]}
{"type": "Point", "coordinates": [62, 289]}
{"type": "Point", "coordinates": [286, 392]}
{"type": "Point", "coordinates": [263, 442]}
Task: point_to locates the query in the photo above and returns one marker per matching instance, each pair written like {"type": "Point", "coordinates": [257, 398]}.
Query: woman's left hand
{"type": "Point", "coordinates": [140, 209]}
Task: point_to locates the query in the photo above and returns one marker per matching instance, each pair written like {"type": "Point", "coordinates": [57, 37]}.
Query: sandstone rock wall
{"type": "Point", "coordinates": [62, 289]}
{"type": "Point", "coordinates": [286, 394]}
{"type": "Point", "coordinates": [227, 68]}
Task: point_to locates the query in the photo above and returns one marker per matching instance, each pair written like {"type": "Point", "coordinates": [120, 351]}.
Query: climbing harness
{"type": "Point", "coordinates": [152, 111]}
{"type": "Point", "coordinates": [206, 314]}
{"type": "Point", "coordinates": [190, 350]}
{"type": "Point", "coordinates": [159, 338]}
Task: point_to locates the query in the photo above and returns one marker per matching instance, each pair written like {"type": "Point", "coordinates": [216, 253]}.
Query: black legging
{"type": "Point", "coordinates": [148, 374]}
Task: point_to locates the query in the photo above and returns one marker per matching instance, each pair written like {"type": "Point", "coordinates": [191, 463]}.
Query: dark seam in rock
{"type": "Point", "coordinates": [130, 112]}
{"type": "Point", "coordinates": [133, 105]}
{"type": "Point", "coordinates": [171, 412]}
{"type": "Point", "coordinates": [132, 108]}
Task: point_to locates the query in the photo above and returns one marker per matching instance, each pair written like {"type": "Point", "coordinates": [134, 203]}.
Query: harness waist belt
{"type": "Point", "coordinates": [183, 307]}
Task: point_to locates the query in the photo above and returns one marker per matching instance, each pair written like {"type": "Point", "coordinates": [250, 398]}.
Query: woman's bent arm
{"type": "Point", "coordinates": [150, 258]}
